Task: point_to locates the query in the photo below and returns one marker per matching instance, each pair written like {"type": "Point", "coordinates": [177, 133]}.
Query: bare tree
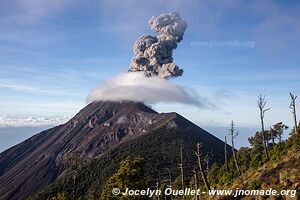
{"type": "Point", "coordinates": [225, 154]}
{"type": "Point", "coordinates": [200, 165]}
{"type": "Point", "coordinates": [234, 133]}
{"type": "Point", "coordinates": [293, 108]}
{"type": "Point", "coordinates": [207, 161]}
{"type": "Point", "coordinates": [196, 182]}
{"type": "Point", "coordinates": [261, 105]}
{"type": "Point", "coordinates": [170, 181]}
{"type": "Point", "coordinates": [181, 166]}
{"type": "Point", "coordinates": [157, 188]}
{"type": "Point", "coordinates": [170, 177]}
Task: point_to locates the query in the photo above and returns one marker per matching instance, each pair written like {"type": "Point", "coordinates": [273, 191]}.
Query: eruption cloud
{"type": "Point", "coordinates": [146, 80]}
{"type": "Point", "coordinates": [153, 54]}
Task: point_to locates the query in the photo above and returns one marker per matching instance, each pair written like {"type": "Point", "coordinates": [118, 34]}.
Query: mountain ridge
{"type": "Point", "coordinates": [98, 127]}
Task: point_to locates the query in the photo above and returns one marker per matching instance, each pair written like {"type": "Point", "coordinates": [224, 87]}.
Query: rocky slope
{"type": "Point", "coordinates": [97, 128]}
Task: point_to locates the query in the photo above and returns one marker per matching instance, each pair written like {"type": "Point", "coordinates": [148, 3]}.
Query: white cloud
{"type": "Point", "coordinates": [136, 87]}
{"type": "Point", "coordinates": [11, 121]}
{"type": "Point", "coordinates": [36, 107]}
{"type": "Point", "coordinates": [18, 87]}
{"type": "Point", "coordinates": [15, 85]}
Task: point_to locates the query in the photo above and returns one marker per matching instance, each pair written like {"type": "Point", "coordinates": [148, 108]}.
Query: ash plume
{"type": "Point", "coordinates": [153, 54]}
{"type": "Point", "coordinates": [146, 80]}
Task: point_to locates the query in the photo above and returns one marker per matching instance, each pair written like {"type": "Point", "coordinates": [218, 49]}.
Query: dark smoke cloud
{"type": "Point", "coordinates": [153, 54]}
{"type": "Point", "coordinates": [149, 69]}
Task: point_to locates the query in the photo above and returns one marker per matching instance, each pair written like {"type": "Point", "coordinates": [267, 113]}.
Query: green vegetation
{"type": "Point", "coordinates": [60, 196]}
{"type": "Point", "coordinates": [131, 175]}
{"type": "Point", "coordinates": [281, 171]}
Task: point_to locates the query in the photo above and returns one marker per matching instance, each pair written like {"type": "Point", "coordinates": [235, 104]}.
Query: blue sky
{"type": "Point", "coordinates": [53, 53]}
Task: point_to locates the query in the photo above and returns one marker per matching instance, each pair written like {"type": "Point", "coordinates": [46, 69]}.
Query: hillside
{"type": "Point", "coordinates": [98, 137]}
{"type": "Point", "coordinates": [160, 149]}
{"type": "Point", "coordinates": [280, 172]}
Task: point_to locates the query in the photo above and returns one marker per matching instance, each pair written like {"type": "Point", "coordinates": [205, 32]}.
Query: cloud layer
{"type": "Point", "coordinates": [136, 87]}
{"type": "Point", "coordinates": [11, 121]}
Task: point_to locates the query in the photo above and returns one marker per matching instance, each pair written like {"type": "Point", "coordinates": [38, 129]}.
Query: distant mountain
{"type": "Point", "coordinates": [103, 133]}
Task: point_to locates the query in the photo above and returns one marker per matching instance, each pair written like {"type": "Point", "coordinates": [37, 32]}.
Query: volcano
{"type": "Point", "coordinates": [98, 131]}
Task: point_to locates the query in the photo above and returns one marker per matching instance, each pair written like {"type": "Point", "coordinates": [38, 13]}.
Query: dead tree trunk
{"type": "Point", "coordinates": [157, 188]}
{"type": "Point", "coordinates": [200, 164]}
{"type": "Point", "coordinates": [207, 159]}
{"type": "Point", "coordinates": [234, 134]}
{"type": "Point", "coordinates": [170, 177]}
{"type": "Point", "coordinates": [170, 181]}
{"type": "Point", "coordinates": [181, 166]}
{"type": "Point", "coordinates": [261, 105]}
{"type": "Point", "coordinates": [293, 107]}
{"type": "Point", "coordinates": [225, 155]}
{"type": "Point", "coordinates": [196, 182]}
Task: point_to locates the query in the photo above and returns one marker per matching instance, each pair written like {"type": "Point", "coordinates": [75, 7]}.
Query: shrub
{"type": "Point", "coordinates": [256, 161]}
{"type": "Point", "coordinates": [255, 185]}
